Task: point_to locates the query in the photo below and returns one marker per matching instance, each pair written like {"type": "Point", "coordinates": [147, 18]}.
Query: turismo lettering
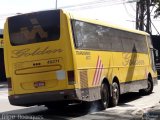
{"type": "Point", "coordinates": [82, 53]}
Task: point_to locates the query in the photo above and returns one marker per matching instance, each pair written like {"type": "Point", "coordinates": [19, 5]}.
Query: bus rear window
{"type": "Point", "coordinates": [34, 27]}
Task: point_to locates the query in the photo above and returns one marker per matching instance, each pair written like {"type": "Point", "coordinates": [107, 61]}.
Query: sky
{"type": "Point", "coordinates": [117, 12]}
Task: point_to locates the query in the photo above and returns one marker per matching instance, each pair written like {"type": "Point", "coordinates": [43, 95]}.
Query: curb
{"type": "Point", "coordinates": [3, 85]}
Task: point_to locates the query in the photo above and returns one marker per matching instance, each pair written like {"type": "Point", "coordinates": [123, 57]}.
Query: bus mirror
{"type": "Point", "coordinates": [156, 54]}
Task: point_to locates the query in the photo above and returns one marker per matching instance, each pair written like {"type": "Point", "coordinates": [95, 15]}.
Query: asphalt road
{"type": "Point", "coordinates": [131, 107]}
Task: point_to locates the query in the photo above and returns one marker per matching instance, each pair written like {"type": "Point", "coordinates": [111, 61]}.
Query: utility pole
{"type": "Point", "coordinates": [56, 4]}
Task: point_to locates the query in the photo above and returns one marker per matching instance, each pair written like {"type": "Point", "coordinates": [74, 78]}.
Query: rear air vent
{"type": "Point", "coordinates": [83, 79]}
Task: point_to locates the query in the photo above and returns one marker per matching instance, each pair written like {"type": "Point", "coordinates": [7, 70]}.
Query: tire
{"type": "Point", "coordinates": [149, 89]}
{"type": "Point", "coordinates": [115, 94]}
{"type": "Point", "coordinates": [104, 91]}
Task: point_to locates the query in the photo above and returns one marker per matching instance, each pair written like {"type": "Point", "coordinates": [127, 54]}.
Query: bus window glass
{"type": "Point", "coordinates": [140, 43]}
{"type": "Point", "coordinates": [116, 40]}
{"type": "Point", "coordinates": [128, 42]}
{"type": "Point", "coordinates": [92, 36]}
{"type": "Point", "coordinates": [34, 27]}
{"type": "Point", "coordinates": [85, 35]}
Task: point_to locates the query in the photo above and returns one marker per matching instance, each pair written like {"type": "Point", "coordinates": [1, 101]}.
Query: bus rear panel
{"type": "Point", "coordinates": [40, 63]}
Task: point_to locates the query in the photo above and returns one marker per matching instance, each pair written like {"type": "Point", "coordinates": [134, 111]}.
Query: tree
{"type": "Point", "coordinates": [157, 11]}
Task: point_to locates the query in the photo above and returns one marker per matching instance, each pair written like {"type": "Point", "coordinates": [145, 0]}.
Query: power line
{"type": "Point", "coordinates": [86, 5]}
{"type": "Point", "coordinates": [155, 28]}
{"type": "Point", "coordinates": [83, 4]}
{"type": "Point", "coordinates": [133, 8]}
{"type": "Point", "coordinates": [128, 11]}
{"type": "Point", "coordinates": [94, 4]}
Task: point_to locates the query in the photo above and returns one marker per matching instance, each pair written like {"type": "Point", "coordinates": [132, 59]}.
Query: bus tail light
{"type": "Point", "coordinates": [9, 84]}
{"type": "Point", "coordinates": [71, 79]}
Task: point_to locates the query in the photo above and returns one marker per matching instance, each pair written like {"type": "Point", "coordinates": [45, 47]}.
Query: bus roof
{"type": "Point", "coordinates": [103, 23]}
{"type": "Point", "coordinates": [98, 22]}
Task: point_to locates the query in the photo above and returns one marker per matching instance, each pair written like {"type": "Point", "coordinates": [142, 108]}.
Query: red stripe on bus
{"type": "Point", "coordinates": [95, 72]}
{"type": "Point", "coordinates": [98, 72]}
{"type": "Point", "coordinates": [101, 69]}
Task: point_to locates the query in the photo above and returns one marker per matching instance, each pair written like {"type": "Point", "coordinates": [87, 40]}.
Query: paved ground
{"type": "Point", "coordinates": [132, 106]}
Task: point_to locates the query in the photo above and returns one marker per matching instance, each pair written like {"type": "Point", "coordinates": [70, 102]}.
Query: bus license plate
{"type": "Point", "coordinates": [39, 84]}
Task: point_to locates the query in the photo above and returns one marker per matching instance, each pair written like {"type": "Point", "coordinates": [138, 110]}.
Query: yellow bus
{"type": "Point", "coordinates": [2, 68]}
{"type": "Point", "coordinates": [56, 57]}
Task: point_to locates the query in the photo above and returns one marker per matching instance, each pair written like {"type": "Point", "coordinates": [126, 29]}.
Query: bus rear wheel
{"type": "Point", "coordinates": [149, 89]}
{"type": "Point", "coordinates": [115, 94]}
{"type": "Point", "coordinates": [104, 91]}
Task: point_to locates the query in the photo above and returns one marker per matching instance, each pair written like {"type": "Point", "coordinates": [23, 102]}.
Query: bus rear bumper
{"type": "Point", "coordinates": [42, 98]}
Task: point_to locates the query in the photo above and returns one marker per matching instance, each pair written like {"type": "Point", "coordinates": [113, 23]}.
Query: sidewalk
{"type": "Point", "coordinates": [3, 85]}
